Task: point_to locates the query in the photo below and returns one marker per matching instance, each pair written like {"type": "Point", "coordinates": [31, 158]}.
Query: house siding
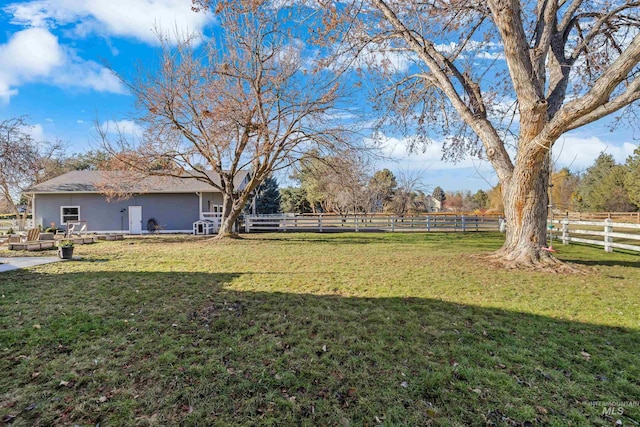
{"type": "Point", "coordinates": [173, 212]}
{"type": "Point", "coordinates": [214, 198]}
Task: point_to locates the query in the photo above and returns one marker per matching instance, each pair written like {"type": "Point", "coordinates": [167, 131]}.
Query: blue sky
{"type": "Point", "coordinates": [52, 68]}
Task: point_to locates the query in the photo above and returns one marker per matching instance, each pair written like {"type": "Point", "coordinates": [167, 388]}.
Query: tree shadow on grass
{"type": "Point", "coordinates": [185, 348]}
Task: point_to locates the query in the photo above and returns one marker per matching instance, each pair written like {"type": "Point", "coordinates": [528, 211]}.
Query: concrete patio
{"type": "Point", "coordinates": [9, 264]}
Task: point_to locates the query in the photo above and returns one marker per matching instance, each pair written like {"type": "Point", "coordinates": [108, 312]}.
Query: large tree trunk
{"type": "Point", "coordinates": [232, 207]}
{"type": "Point", "coordinates": [229, 216]}
{"type": "Point", "coordinates": [525, 199]}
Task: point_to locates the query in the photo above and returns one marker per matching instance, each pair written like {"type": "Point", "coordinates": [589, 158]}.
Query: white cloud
{"type": "Point", "coordinates": [578, 153]}
{"type": "Point", "coordinates": [381, 57]}
{"type": "Point", "coordinates": [124, 127]}
{"type": "Point", "coordinates": [572, 150]}
{"type": "Point", "coordinates": [490, 55]}
{"type": "Point", "coordinates": [36, 131]}
{"type": "Point", "coordinates": [430, 157]}
{"type": "Point", "coordinates": [35, 55]}
{"type": "Point", "coordinates": [122, 18]}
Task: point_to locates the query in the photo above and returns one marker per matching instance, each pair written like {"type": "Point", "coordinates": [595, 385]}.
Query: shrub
{"type": "Point", "coordinates": [65, 244]}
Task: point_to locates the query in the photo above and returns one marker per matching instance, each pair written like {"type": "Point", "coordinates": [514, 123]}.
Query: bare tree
{"type": "Point", "coordinates": [335, 183]}
{"type": "Point", "coordinates": [23, 163]}
{"type": "Point", "coordinates": [497, 75]}
{"type": "Point", "coordinates": [246, 99]}
{"type": "Point", "coordinates": [403, 201]}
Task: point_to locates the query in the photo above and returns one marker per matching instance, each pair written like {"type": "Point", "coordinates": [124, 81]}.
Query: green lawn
{"type": "Point", "coordinates": [318, 329]}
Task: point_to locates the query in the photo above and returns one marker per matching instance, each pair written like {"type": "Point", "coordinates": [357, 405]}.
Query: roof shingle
{"type": "Point", "coordinates": [95, 182]}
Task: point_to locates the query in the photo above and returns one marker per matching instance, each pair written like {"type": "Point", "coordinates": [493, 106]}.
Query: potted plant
{"type": "Point", "coordinates": [65, 249]}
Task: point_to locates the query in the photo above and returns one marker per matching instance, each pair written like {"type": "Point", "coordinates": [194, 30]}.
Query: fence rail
{"type": "Point", "coordinates": [567, 230]}
{"type": "Point", "coordinates": [625, 217]}
{"type": "Point", "coordinates": [14, 224]}
{"type": "Point", "coordinates": [344, 223]}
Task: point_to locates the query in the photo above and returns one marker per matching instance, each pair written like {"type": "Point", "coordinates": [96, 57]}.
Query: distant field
{"type": "Point", "coordinates": [318, 329]}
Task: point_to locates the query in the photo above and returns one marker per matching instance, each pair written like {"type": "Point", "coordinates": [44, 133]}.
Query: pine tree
{"type": "Point", "coordinates": [632, 180]}
{"type": "Point", "coordinates": [268, 197]}
{"type": "Point", "coordinates": [586, 197]}
{"type": "Point", "coordinates": [438, 194]}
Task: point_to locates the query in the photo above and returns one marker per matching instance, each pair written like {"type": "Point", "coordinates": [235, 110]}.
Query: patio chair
{"type": "Point", "coordinates": [76, 229]}
{"type": "Point", "coordinates": [31, 242]}
{"type": "Point", "coordinates": [70, 229]}
{"type": "Point", "coordinates": [33, 234]}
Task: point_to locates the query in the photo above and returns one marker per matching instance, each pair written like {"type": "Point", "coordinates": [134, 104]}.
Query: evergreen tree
{"type": "Point", "coordinates": [610, 194]}
{"type": "Point", "coordinates": [268, 197]}
{"type": "Point", "coordinates": [382, 187]}
{"type": "Point", "coordinates": [632, 178]}
{"type": "Point", "coordinates": [586, 199]}
{"type": "Point", "coordinates": [480, 199]}
{"type": "Point", "coordinates": [294, 200]}
{"type": "Point", "coordinates": [438, 194]}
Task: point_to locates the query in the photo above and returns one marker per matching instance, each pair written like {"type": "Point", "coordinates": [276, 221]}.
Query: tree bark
{"type": "Point", "coordinates": [525, 198]}
{"type": "Point", "coordinates": [232, 207]}
{"type": "Point", "coordinates": [229, 217]}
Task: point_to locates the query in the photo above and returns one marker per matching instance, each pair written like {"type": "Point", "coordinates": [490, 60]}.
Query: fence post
{"type": "Point", "coordinates": [608, 228]}
{"type": "Point", "coordinates": [320, 222]}
{"type": "Point", "coordinates": [247, 224]}
{"type": "Point", "coordinates": [393, 223]}
{"type": "Point", "coordinates": [355, 219]}
{"type": "Point", "coordinates": [565, 231]}
{"type": "Point", "coordinates": [464, 224]}
{"type": "Point", "coordinates": [476, 222]}
{"type": "Point", "coordinates": [428, 223]}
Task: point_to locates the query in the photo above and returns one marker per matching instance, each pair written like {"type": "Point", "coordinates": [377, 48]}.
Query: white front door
{"type": "Point", "coordinates": [135, 219]}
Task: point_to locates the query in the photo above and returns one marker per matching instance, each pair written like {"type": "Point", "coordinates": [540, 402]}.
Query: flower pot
{"type": "Point", "coordinates": [65, 253]}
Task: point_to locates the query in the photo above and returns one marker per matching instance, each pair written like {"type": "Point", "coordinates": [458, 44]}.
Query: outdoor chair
{"type": "Point", "coordinates": [33, 235]}
{"type": "Point", "coordinates": [76, 229]}
{"type": "Point", "coordinates": [31, 242]}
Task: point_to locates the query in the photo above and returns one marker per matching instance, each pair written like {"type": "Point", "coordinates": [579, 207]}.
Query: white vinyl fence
{"type": "Point", "coordinates": [598, 233]}
{"type": "Point", "coordinates": [344, 223]}
{"type": "Point", "coordinates": [13, 224]}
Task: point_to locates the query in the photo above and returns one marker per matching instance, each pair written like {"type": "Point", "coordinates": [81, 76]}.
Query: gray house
{"type": "Point", "coordinates": [176, 205]}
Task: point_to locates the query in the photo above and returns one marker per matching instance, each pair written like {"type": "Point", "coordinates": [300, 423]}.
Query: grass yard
{"type": "Point", "coordinates": [318, 329]}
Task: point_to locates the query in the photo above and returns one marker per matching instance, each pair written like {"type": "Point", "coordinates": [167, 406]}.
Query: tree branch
{"type": "Point", "coordinates": [629, 96]}
{"type": "Point", "coordinates": [435, 61]}
{"type": "Point", "coordinates": [599, 94]}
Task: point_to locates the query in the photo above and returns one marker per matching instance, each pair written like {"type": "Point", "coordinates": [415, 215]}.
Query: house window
{"type": "Point", "coordinates": [69, 213]}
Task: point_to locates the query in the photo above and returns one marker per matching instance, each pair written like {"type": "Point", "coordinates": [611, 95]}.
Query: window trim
{"type": "Point", "coordinates": [62, 208]}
